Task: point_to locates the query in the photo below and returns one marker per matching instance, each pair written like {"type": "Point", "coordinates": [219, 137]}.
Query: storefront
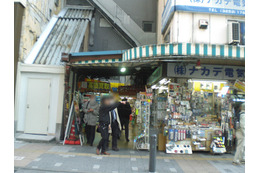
{"type": "Point", "coordinates": [98, 73]}
{"type": "Point", "coordinates": [194, 106]}
{"type": "Point", "coordinates": [190, 96]}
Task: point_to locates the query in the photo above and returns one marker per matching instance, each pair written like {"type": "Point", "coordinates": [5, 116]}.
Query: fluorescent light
{"type": "Point", "coordinates": [212, 81]}
{"type": "Point", "coordinates": [239, 100]}
{"type": "Point", "coordinates": [153, 87]}
{"type": "Point", "coordinates": [162, 81]}
{"type": "Point", "coordinates": [163, 87]}
{"type": "Point", "coordinates": [166, 82]}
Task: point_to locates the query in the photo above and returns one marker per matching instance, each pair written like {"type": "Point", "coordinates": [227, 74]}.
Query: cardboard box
{"type": "Point", "coordinates": [161, 142]}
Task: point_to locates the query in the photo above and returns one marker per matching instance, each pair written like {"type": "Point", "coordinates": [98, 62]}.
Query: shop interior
{"type": "Point", "coordinates": [84, 81]}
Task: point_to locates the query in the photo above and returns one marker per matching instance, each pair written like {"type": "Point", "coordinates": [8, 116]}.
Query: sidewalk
{"type": "Point", "coordinates": [51, 157]}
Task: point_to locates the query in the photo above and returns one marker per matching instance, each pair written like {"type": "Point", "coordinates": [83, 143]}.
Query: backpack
{"type": "Point", "coordinates": [237, 121]}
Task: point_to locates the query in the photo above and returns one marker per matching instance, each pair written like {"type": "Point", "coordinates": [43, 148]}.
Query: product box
{"type": "Point", "coordinates": [178, 149]}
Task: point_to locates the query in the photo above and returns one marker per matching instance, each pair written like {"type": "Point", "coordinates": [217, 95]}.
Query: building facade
{"type": "Point", "coordinates": [180, 21]}
{"type": "Point", "coordinates": [51, 28]}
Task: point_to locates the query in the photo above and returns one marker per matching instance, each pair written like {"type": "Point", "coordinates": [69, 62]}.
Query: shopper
{"type": "Point", "coordinates": [104, 123]}
{"type": "Point", "coordinates": [91, 110]}
{"type": "Point", "coordinates": [115, 126]}
{"type": "Point", "coordinates": [124, 110]}
{"type": "Point", "coordinates": [240, 136]}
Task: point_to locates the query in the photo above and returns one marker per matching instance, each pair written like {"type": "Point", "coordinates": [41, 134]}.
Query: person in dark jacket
{"type": "Point", "coordinates": [104, 123]}
{"type": "Point", "coordinates": [124, 110]}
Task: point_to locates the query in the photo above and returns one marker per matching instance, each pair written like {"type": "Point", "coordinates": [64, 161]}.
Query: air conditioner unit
{"type": "Point", "coordinates": [233, 33]}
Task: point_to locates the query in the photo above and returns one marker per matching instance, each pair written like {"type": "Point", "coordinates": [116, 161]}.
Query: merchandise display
{"type": "Point", "coordinates": [217, 145]}
{"type": "Point", "coordinates": [142, 106]}
{"type": "Point", "coordinates": [195, 115]}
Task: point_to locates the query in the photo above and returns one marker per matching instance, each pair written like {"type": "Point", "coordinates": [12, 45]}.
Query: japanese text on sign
{"type": "Point", "coordinates": [206, 71]}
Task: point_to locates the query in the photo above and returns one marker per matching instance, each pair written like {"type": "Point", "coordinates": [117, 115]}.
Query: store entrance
{"type": "Point", "coordinates": [100, 81]}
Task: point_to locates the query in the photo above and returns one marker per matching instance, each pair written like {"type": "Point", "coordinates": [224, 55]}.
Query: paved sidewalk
{"type": "Point", "coordinates": [51, 157]}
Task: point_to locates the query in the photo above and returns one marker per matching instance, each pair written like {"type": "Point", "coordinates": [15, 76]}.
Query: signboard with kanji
{"type": "Point", "coordinates": [94, 86]}
{"type": "Point", "coordinates": [206, 72]}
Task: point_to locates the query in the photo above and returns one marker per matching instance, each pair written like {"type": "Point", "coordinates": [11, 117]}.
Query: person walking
{"type": "Point", "coordinates": [104, 123]}
{"type": "Point", "coordinates": [115, 126]}
{"type": "Point", "coordinates": [91, 110]}
{"type": "Point", "coordinates": [124, 110]}
{"type": "Point", "coordinates": [240, 136]}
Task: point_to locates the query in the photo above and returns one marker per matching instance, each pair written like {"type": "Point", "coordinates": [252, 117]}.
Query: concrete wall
{"type": "Point", "coordinates": [106, 38]}
{"type": "Point", "coordinates": [160, 8]}
{"type": "Point", "coordinates": [56, 75]}
{"type": "Point", "coordinates": [184, 28]}
{"type": "Point", "coordinates": [140, 10]}
{"type": "Point", "coordinates": [36, 16]}
{"type": "Point", "coordinates": [18, 14]}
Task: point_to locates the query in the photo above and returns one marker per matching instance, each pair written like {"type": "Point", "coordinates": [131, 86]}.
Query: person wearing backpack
{"type": "Point", "coordinates": [240, 136]}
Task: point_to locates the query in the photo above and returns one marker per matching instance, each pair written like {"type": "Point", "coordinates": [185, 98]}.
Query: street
{"type": "Point", "coordinates": [53, 157]}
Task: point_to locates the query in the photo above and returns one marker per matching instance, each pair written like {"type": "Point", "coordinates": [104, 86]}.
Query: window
{"type": "Point", "coordinates": [148, 26]}
{"type": "Point", "coordinates": [242, 33]}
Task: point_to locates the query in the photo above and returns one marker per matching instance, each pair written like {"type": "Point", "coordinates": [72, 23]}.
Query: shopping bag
{"type": "Point", "coordinates": [98, 129]}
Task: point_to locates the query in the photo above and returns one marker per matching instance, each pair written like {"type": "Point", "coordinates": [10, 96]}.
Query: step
{"type": "Point", "coordinates": [35, 138]}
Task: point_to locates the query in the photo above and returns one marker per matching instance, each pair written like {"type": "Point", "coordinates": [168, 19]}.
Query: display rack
{"type": "Point", "coordinates": [143, 121]}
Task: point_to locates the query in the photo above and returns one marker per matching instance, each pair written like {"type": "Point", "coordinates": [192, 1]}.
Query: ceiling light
{"type": "Point", "coordinates": [123, 69]}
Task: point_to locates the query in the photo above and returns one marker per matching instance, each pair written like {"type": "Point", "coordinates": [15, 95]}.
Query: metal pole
{"type": "Point", "coordinates": [152, 158]}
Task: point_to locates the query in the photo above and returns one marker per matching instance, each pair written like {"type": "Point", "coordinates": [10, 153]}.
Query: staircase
{"type": "Point", "coordinates": [123, 23]}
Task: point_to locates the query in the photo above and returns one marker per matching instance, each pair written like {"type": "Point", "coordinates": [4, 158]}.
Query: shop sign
{"type": "Point", "coordinates": [239, 85]}
{"type": "Point", "coordinates": [130, 90]}
{"type": "Point", "coordinates": [224, 7]}
{"type": "Point", "coordinates": [94, 86]}
{"type": "Point", "coordinates": [217, 72]}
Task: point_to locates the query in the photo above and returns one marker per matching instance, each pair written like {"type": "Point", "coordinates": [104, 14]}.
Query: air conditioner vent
{"type": "Point", "coordinates": [233, 33]}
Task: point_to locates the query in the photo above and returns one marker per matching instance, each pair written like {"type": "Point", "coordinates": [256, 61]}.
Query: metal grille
{"type": "Point", "coordinates": [236, 31]}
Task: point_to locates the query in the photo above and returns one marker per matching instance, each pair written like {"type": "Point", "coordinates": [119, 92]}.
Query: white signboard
{"type": "Point", "coordinates": [224, 7]}
{"type": "Point", "coordinates": [206, 72]}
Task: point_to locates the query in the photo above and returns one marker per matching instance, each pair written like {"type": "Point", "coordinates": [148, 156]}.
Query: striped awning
{"type": "Point", "coordinates": [97, 61]}
{"type": "Point", "coordinates": [96, 57]}
{"type": "Point", "coordinates": [185, 50]}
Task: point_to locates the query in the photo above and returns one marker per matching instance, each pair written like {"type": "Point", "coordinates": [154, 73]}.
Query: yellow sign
{"type": "Point", "coordinates": [239, 85]}
{"type": "Point", "coordinates": [91, 85]}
